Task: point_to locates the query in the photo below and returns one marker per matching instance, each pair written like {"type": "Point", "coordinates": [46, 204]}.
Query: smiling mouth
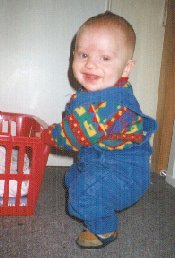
{"type": "Point", "coordinates": [90, 77]}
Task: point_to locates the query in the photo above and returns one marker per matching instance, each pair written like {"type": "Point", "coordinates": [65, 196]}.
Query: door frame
{"type": "Point", "coordinates": [166, 96]}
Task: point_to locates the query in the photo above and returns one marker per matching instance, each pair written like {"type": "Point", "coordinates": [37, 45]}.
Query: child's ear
{"type": "Point", "coordinates": [127, 70]}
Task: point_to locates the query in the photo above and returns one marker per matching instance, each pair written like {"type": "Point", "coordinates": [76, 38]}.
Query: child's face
{"type": "Point", "coordinates": [100, 58]}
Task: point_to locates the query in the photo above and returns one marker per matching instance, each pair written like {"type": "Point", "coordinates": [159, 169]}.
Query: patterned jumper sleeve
{"type": "Point", "coordinates": [89, 124]}
{"type": "Point", "coordinates": [80, 128]}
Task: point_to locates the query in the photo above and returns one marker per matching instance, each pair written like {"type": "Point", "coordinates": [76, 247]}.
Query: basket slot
{"type": "Point", "coordinates": [18, 159]}
{"type": "Point", "coordinates": [8, 154]}
{"type": "Point", "coordinates": [5, 126]}
{"type": "Point", "coordinates": [13, 128]}
{"type": "Point", "coordinates": [8, 127]}
{"type": "Point", "coordinates": [18, 194]}
{"type": "Point", "coordinates": [5, 169]}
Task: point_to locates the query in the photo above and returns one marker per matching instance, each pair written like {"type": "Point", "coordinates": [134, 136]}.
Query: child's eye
{"type": "Point", "coordinates": [83, 55]}
{"type": "Point", "coordinates": [105, 58]}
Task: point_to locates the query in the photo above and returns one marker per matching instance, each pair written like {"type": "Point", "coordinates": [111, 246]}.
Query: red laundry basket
{"type": "Point", "coordinates": [18, 132]}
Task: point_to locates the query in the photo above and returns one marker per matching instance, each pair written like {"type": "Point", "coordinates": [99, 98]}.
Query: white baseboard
{"type": "Point", "coordinates": [57, 160]}
{"type": "Point", "coordinates": [170, 180]}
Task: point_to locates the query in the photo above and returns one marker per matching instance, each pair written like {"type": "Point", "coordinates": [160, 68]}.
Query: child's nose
{"type": "Point", "coordinates": [91, 63]}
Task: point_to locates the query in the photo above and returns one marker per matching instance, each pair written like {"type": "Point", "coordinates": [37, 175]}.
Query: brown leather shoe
{"type": "Point", "coordinates": [89, 240]}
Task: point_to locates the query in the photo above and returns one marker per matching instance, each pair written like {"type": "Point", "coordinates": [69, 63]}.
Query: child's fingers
{"type": "Point", "coordinates": [38, 134]}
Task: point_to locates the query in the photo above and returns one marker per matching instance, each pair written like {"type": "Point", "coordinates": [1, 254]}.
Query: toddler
{"type": "Point", "coordinates": [104, 124]}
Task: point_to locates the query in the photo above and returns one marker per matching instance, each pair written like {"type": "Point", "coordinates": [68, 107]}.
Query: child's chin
{"type": "Point", "coordinates": [93, 89]}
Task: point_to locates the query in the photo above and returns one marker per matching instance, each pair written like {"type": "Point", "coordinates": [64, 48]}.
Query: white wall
{"type": "Point", "coordinates": [146, 16]}
{"type": "Point", "coordinates": [35, 47]}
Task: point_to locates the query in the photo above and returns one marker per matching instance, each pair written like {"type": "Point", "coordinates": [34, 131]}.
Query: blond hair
{"type": "Point", "coordinates": [111, 20]}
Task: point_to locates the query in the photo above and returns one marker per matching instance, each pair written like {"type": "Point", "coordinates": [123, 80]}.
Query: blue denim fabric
{"type": "Point", "coordinates": [104, 182]}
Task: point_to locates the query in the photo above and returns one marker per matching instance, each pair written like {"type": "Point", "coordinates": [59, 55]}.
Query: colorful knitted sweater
{"type": "Point", "coordinates": [110, 119]}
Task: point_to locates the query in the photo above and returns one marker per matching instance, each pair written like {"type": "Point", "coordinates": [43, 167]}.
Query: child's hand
{"type": "Point", "coordinates": [46, 137]}
{"type": "Point", "coordinates": [38, 134]}
{"type": "Point", "coordinates": [41, 134]}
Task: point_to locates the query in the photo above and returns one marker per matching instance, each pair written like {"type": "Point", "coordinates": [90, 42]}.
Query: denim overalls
{"type": "Point", "coordinates": [103, 182]}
